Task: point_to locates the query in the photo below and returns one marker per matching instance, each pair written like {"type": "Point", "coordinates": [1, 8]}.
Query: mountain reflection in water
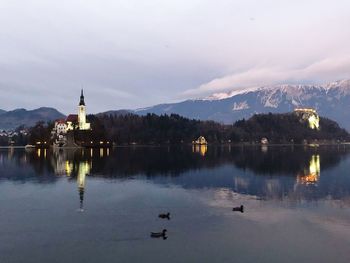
{"type": "Point", "coordinates": [292, 173]}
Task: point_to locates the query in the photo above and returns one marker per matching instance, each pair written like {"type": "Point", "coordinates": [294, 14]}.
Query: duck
{"type": "Point", "coordinates": [238, 208]}
{"type": "Point", "coordinates": [167, 215]}
{"type": "Point", "coordinates": [159, 234]}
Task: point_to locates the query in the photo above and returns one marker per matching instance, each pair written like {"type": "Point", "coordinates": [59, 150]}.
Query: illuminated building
{"type": "Point", "coordinates": [83, 125]}
{"type": "Point", "coordinates": [309, 115]}
{"type": "Point", "coordinates": [72, 121]}
{"type": "Point", "coordinates": [264, 141]}
{"type": "Point", "coordinates": [60, 127]}
{"type": "Point", "coordinates": [200, 141]}
{"type": "Point", "coordinates": [60, 132]}
{"type": "Point", "coordinates": [78, 120]}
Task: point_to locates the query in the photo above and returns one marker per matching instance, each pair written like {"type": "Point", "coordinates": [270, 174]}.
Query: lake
{"type": "Point", "coordinates": [100, 205]}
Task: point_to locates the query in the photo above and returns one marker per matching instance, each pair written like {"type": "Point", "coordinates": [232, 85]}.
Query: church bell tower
{"type": "Point", "coordinates": [83, 125]}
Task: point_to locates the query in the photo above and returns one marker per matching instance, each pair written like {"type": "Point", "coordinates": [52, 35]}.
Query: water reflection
{"type": "Point", "coordinates": [83, 171]}
{"type": "Point", "coordinates": [278, 173]}
{"type": "Point", "coordinates": [129, 187]}
{"type": "Point", "coordinates": [264, 148]}
{"type": "Point", "coordinates": [71, 163]}
{"type": "Point", "coordinates": [201, 149]}
{"type": "Point", "coordinates": [311, 175]}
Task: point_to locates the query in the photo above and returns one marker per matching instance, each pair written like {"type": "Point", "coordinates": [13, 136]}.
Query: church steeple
{"type": "Point", "coordinates": [83, 125]}
{"type": "Point", "coordinates": [82, 102]}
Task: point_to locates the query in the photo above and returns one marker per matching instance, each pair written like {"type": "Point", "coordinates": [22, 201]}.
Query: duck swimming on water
{"type": "Point", "coordinates": [159, 234]}
{"type": "Point", "coordinates": [167, 216]}
{"type": "Point", "coordinates": [238, 208]}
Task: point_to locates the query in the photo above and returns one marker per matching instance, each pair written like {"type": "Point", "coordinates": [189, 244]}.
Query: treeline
{"type": "Point", "coordinates": [40, 132]}
{"type": "Point", "coordinates": [154, 129]}
{"type": "Point", "coordinates": [172, 129]}
{"type": "Point", "coordinates": [285, 128]}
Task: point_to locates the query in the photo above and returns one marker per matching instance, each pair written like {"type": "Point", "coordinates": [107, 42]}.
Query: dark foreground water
{"type": "Point", "coordinates": [101, 205]}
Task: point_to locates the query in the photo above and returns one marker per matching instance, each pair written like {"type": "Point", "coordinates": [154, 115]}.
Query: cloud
{"type": "Point", "coordinates": [132, 53]}
{"type": "Point", "coordinates": [324, 70]}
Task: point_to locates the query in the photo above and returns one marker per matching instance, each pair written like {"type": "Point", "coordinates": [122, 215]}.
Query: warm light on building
{"type": "Point", "coordinates": [310, 110]}
{"type": "Point", "coordinates": [309, 115]}
{"type": "Point", "coordinates": [314, 122]}
{"type": "Point", "coordinates": [200, 141]}
{"type": "Point", "coordinates": [80, 118]}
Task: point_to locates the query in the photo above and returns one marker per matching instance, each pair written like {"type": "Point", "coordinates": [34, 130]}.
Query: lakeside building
{"type": "Point", "coordinates": [82, 124]}
{"type": "Point", "coordinates": [200, 141]}
{"type": "Point", "coordinates": [72, 122]}
{"type": "Point", "coordinates": [264, 141]}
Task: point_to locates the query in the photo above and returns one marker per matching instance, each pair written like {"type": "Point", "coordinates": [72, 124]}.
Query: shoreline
{"type": "Point", "coordinates": [188, 144]}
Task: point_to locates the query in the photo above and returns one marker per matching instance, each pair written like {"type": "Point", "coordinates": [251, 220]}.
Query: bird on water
{"type": "Point", "coordinates": [238, 209]}
{"type": "Point", "coordinates": [164, 216]}
{"type": "Point", "coordinates": [159, 234]}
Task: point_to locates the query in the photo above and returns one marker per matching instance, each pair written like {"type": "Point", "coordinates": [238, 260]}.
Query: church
{"type": "Point", "coordinates": [78, 120]}
{"type": "Point", "coordinates": [72, 122]}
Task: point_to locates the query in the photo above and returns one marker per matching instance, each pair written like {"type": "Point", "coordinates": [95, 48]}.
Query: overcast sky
{"type": "Point", "coordinates": [131, 54]}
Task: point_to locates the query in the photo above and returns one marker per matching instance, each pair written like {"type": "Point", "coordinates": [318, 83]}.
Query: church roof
{"type": "Point", "coordinates": [60, 121]}
{"type": "Point", "coordinates": [82, 102]}
{"type": "Point", "coordinates": [72, 118]}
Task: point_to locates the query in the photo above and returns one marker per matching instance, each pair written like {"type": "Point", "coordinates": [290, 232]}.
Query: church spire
{"type": "Point", "coordinates": [82, 102]}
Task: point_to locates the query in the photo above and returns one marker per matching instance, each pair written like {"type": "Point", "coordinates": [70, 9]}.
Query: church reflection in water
{"type": "Point", "coordinates": [64, 164]}
{"type": "Point", "coordinates": [83, 171]}
{"type": "Point", "coordinates": [311, 174]}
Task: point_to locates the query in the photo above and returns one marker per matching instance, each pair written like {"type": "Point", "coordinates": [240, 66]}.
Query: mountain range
{"type": "Point", "coordinates": [331, 100]}
{"type": "Point", "coordinates": [15, 118]}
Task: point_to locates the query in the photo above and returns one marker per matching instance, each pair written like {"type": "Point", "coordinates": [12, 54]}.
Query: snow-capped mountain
{"type": "Point", "coordinates": [331, 100]}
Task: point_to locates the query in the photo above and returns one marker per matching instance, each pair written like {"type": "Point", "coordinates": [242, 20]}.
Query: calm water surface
{"type": "Point", "coordinates": [101, 205]}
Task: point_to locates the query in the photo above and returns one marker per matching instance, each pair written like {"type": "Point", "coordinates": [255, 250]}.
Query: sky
{"type": "Point", "coordinates": [136, 53]}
